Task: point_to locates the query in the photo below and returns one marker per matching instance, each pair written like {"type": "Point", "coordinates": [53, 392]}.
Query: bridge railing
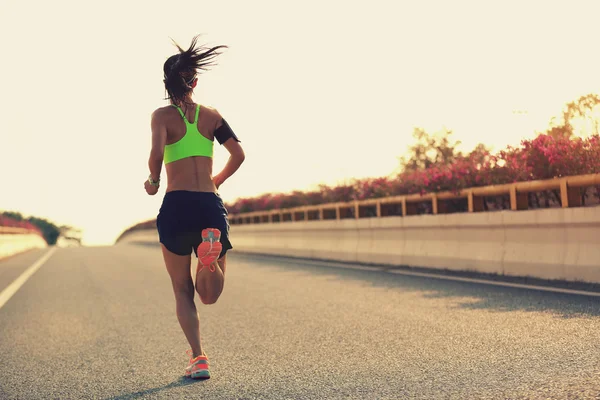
{"type": "Point", "coordinates": [15, 230]}
{"type": "Point", "coordinates": [569, 189]}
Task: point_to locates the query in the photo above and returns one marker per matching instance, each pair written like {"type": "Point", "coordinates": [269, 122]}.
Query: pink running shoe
{"type": "Point", "coordinates": [210, 249]}
{"type": "Point", "coordinates": [198, 367]}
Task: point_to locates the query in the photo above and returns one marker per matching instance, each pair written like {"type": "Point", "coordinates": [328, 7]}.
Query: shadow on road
{"type": "Point", "coordinates": [182, 381]}
{"type": "Point", "coordinates": [473, 296]}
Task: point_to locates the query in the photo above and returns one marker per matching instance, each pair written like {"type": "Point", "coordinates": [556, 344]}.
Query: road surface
{"type": "Point", "coordinates": [99, 323]}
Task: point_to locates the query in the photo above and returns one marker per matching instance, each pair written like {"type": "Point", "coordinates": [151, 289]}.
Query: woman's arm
{"type": "Point", "coordinates": [226, 137]}
{"type": "Point", "coordinates": [159, 139]}
{"type": "Point", "coordinates": [236, 159]}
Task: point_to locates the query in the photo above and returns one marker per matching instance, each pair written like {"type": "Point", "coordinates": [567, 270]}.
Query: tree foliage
{"type": "Point", "coordinates": [430, 149]}
{"type": "Point", "coordinates": [50, 231]}
{"type": "Point", "coordinates": [585, 111]}
{"type": "Point", "coordinates": [544, 157]}
{"type": "Point", "coordinates": [436, 150]}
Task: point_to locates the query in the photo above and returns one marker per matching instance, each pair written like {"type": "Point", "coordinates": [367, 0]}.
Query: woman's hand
{"type": "Point", "coordinates": [218, 180]}
{"type": "Point", "coordinates": [150, 189]}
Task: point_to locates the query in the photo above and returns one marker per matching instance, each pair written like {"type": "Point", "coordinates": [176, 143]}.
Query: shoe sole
{"type": "Point", "coordinates": [202, 374]}
{"type": "Point", "coordinates": [199, 371]}
{"type": "Point", "coordinates": [210, 248]}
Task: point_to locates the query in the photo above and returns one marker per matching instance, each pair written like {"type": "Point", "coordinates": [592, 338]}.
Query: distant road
{"type": "Point", "coordinates": [99, 323]}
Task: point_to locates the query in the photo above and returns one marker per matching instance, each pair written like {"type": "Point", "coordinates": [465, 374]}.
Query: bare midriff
{"type": "Point", "coordinates": [191, 174]}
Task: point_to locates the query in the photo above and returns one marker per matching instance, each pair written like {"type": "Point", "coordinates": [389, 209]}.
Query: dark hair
{"type": "Point", "coordinates": [181, 69]}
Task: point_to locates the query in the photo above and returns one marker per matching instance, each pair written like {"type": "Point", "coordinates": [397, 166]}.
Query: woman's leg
{"type": "Point", "coordinates": [183, 288]}
{"type": "Point", "coordinates": [209, 284]}
{"type": "Point", "coordinates": [211, 278]}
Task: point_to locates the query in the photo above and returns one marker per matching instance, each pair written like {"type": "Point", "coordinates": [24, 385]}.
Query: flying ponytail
{"type": "Point", "coordinates": [181, 69]}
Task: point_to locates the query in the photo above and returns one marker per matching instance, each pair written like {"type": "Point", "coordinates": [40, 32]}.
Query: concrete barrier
{"type": "Point", "coordinates": [15, 243]}
{"type": "Point", "coordinates": [562, 244]}
{"type": "Point", "coordinates": [141, 236]}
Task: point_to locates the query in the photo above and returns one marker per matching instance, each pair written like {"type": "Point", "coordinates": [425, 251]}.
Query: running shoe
{"type": "Point", "coordinates": [210, 249]}
{"type": "Point", "coordinates": [197, 367]}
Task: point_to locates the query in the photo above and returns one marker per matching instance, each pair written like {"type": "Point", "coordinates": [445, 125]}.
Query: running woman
{"type": "Point", "coordinates": [192, 216]}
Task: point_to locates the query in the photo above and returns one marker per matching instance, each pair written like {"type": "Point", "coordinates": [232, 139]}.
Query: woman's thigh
{"type": "Point", "coordinates": [178, 268]}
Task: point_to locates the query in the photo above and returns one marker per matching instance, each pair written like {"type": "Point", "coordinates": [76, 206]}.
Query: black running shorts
{"type": "Point", "coordinates": [184, 214]}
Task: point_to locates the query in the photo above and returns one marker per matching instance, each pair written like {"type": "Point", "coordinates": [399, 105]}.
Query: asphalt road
{"type": "Point", "coordinates": [99, 323]}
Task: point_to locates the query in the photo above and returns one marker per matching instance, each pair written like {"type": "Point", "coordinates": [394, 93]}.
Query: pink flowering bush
{"type": "Point", "coordinates": [13, 223]}
{"type": "Point", "coordinates": [544, 157]}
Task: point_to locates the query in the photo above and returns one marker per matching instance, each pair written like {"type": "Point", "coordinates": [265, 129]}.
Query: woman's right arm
{"type": "Point", "coordinates": [224, 134]}
{"type": "Point", "coordinates": [236, 159]}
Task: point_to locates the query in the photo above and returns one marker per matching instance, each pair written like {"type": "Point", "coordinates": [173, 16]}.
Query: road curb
{"type": "Point", "coordinates": [523, 282]}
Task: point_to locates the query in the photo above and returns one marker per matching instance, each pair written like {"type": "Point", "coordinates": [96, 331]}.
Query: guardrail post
{"type": "Point", "coordinates": [518, 201]}
{"type": "Point", "coordinates": [321, 214]}
{"type": "Point", "coordinates": [408, 208]}
{"type": "Point", "coordinates": [356, 210]}
{"type": "Point", "coordinates": [475, 202]}
{"type": "Point", "coordinates": [378, 209]}
{"type": "Point", "coordinates": [569, 196]}
{"type": "Point", "coordinates": [437, 206]}
{"type": "Point", "coordinates": [337, 212]}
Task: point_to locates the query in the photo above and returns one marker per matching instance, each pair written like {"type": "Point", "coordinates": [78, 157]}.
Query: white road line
{"type": "Point", "coordinates": [496, 283]}
{"type": "Point", "coordinates": [11, 289]}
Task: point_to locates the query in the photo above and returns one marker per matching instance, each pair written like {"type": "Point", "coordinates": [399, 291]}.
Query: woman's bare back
{"type": "Point", "coordinates": [191, 173]}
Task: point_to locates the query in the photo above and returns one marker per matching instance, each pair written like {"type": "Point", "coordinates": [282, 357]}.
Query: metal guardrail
{"type": "Point", "coordinates": [569, 188]}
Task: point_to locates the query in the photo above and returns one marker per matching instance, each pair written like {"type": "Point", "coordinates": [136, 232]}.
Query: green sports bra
{"type": "Point", "coordinates": [193, 143]}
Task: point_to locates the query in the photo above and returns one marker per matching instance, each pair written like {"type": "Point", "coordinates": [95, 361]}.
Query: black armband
{"type": "Point", "coordinates": [224, 133]}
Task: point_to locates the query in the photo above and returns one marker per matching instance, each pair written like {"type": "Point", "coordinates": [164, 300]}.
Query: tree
{"type": "Point", "coordinates": [583, 111]}
{"type": "Point", "coordinates": [17, 216]}
{"type": "Point", "coordinates": [70, 233]}
{"type": "Point", "coordinates": [437, 149]}
{"type": "Point", "coordinates": [480, 155]}
{"type": "Point", "coordinates": [50, 231]}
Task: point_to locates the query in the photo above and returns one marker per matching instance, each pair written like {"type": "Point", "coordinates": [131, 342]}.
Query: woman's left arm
{"type": "Point", "coordinates": [155, 161]}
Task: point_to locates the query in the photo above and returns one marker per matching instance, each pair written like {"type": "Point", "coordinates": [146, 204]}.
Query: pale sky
{"type": "Point", "coordinates": [318, 91]}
